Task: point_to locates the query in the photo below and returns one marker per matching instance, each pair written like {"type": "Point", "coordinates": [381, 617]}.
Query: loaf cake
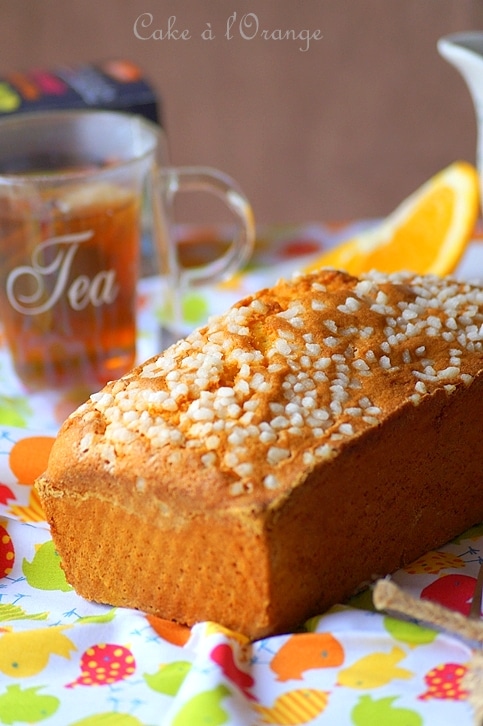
{"type": "Point", "coordinates": [319, 434]}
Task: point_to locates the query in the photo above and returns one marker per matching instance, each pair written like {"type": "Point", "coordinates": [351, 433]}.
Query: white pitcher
{"type": "Point", "coordinates": [465, 52]}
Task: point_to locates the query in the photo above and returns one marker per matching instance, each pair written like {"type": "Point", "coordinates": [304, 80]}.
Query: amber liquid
{"type": "Point", "coordinates": [68, 274]}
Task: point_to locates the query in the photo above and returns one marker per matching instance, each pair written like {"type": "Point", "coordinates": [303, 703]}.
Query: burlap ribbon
{"type": "Point", "coordinates": [389, 597]}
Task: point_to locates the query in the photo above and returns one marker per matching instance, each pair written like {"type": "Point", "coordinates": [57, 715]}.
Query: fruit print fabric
{"type": "Point", "coordinates": [445, 682]}
{"type": "Point", "coordinates": [369, 712]}
{"type": "Point", "coordinates": [104, 664]}
{"type": "Point", "coordinates": [375, 670]}
{"type": "Point", "coordinates": [7, 552]}
{"type": "Point", "coordinates": [295, 707]}
{"type": "Point", "coordinates": [306, 651]}
{"type": "Point", "coordinates": [27, 705]}
{"type": "Point", "coordinates": [44, 571]}
{"type": "Point", "coordinates": [26, 653]}
{"type": "Point", "coordinates": [167, 675]}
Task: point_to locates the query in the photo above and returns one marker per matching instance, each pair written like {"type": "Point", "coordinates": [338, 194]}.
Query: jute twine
{"type": "Point", "coordinates": [388, 596]}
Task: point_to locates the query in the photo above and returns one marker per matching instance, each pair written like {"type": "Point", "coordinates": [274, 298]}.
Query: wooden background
{"type": "Point", "coordinates": [345, 129]}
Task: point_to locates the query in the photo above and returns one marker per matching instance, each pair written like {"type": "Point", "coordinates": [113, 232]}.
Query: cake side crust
{"type": "Point", "coordinates": [165, 571]}
{"type": "Point", "coordinates": [410, 487]}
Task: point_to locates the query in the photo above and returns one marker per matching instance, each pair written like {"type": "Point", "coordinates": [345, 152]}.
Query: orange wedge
{"type": "Point", "coordinates": [426, 234]}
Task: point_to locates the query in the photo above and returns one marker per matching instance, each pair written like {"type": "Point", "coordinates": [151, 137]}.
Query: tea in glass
{"type": "Point", "coordinates": [68, 274]}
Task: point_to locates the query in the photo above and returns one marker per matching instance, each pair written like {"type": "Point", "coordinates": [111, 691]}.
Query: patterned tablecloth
{"type": "Point", "coordinates": [65, 661]}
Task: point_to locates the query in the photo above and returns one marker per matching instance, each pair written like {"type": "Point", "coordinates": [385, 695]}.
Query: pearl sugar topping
{"type": "Point", "coordinates": [293, 373]}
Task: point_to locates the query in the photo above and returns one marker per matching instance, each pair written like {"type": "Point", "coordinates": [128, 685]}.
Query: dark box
{"type": "Point", "coordinates": [112, 84]}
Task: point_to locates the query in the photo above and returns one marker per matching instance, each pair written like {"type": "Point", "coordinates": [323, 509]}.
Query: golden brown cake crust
{"type": "Point", "coordinates": [294, 427]}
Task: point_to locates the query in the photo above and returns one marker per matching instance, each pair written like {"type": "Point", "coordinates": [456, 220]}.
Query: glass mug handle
{"type": "Point", "coordinates": [206, 179]}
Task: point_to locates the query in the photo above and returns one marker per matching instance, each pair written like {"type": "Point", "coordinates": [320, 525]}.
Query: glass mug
{"type": "Point", "coordinates": [75, 187]}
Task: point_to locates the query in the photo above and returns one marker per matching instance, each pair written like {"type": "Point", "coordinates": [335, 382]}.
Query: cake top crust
{"type": "Point", "coordinates": [253, 401]}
